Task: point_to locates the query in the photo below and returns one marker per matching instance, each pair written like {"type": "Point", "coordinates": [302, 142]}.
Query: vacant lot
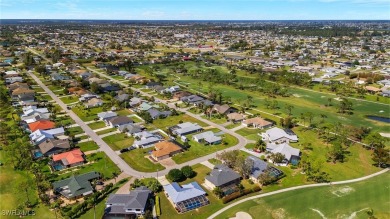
{"type": "Point", "coordinates": [119, 141]}
{"type": "Point", "coordinates": [136, 159]}
{"type": "Point", "coordinates": [87, 114]}
{"type": "Point", "coordinates": [174, 120]}
{"type": "Point", "coordinates": [341, 201]}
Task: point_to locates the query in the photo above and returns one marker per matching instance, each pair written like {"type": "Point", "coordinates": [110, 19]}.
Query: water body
{"type": "Point", "coordinates": [380, 119]}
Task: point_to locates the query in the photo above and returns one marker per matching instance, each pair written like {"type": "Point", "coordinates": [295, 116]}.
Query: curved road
{"type": "Point", "coordinates": [103, 146]}
{"type": "Point", "coordinates": [296, 188]}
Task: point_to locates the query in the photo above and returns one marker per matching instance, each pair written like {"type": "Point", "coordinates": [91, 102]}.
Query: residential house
{"type": "Point", "coordinates": [155, 113]}
{"type": "Point", "coordinates": [235, 117]}
{"type": "Point", "coordinates": [104, 116]}
{"type": "Point", "coordinates": [186, 197]}
{"type": "Point", "coordinates": [146, 139]}
{"type": "Point", "coordinates": [152, 84]}
{"type": "Point", "coordinates": [76, 186]}
{"type": "Point", "coordinates": [94, 102]}
{"type": "Point", "coordinates": [185, 128]}
{"type": "Point", "coordinates": [179, 95]}
{"type": "Point", "coordinates": [257, 122]}
{"type": "Point", "coordinates": [165, 149]}
{"type": "Point", "coordinates": [108, 87]}
{"type": "Point", "coordinates": [51, 146]}
{"type": "Point", "coordinates": [144, 106]}
{"type": "Point", "coordinates": [224, 178]}
{"type": "Point", "coordinates": [17, 85]}
{"type": "Point", "coordinates": [292, 155]}
{"type": "Point", "coordinates": [261, 167]}
{"type": "Point", "coordinates": [130, 129]}
{"type": "Point", "coordinates": [23, 93]}
{"type": "Point", "coordinates": [64, 160]}
{"type": "Point", "coordinates": [135, 101]}
{"type": "Point", "coordinates": [278, 135]}
{"type": "Point", "coordinates": [207, 137]}
{"type": "Point", "coordinates": [12, 80]}
{"type": "Point", "coordinates": [41, 124]}
{"type": "Point", "coordinates": [59, 77]}
{"type": "Point", "coordinates": [87, 96]}
{"type": "Point", "coordinates": [40, 136]}
{"type": "Point", "coordinates": [172, 89]}
{"type": "Point", "coordinates": [122, 97]}
{"type": "Point", "coordinates": [386, 93]}
{"type": "Point", "coordinates": [192, 99]}
{"type": "Point", "coordinates": [224, 109]}
{"type": "Point", "coordinates": [117, 121]}
{"type": "Point", "coordinates": [127, 205]}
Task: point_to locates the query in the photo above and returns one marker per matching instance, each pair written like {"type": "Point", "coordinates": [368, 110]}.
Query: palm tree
{"type": "Point", "coordinates": [260, 144]}
{"type": "Point", "coordinates": [289, 108]}
{"type": "Point", "coordinates": [115, 175]}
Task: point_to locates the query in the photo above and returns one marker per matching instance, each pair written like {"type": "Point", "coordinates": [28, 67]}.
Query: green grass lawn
{"type": "Point", "coordinates": [87, 114]}
{"type": "Point", "coordinates": [88, 146]}
{"type": "Point", "coordinates": [102, 164]}
{"type": "Point", "coordinates": [97, 125]}
{"type": "Point", "coordinates": [198, 150]}
{"type": "Point", "coordinates": [358, 162]}
{"type": "Point", "coordinates": [69, 99]}
{"type": "Point", "coordinates": [232, 125]}
{"type": "Point", "coordinates": [75, 130]}
{"type": "Point", "coordinates": [251, 134]}
{"type": "Point", "coordinates": [119, 141]}
{"type": "Point", "coordinates": [174, 120]}
{"type": "Point", "coordinates": [215, 119]}
{"type": "Point", "coordinates": [105, 131]}
{"type": "Point", "coordinates": [11, 195]}
{"type": "Point", "coordinates": [136, 119]}
{"type": "Point", "coordinates": [337, 201]}
{"type": "Point", "coordinates": [215, 161]}
{"type": "Point", "coordinates": [123, 112]}
{"type": "Point", "coordinates": [136, 159]}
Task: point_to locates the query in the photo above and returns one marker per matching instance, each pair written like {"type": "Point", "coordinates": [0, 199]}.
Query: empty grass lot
{"type": "Point", "coordinates": [75, 130]}
{"type": "Point", "coordinates": [337, 201]}
{"type": "Point", "coordinates": [88, 146]}
{"type": "Point", "coordinates": [119, 141]}
{"type": "Point", "coordinates": [174, 120]}
{"type": "Point", "coordinates": [97, 125]}
{"type": "Point", "coordinates": [136, 159]}
{"type": "Point", "coordinates": [199, 150]}
{"type": "Point", "coordinates": [249, 133]}
{"type": "Point", "coordinates": [87, 114]}
{"type": "Point", "coordinates": [69, 99]}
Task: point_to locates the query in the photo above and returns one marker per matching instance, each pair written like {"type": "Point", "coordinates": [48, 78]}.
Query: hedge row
{"type": "Point", "coordinates": [238, 194]}
{"type": "Point", "coordinates": [157, 205]}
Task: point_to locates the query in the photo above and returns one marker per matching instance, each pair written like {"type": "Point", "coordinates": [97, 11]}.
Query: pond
{"type": "Point", "coordinates": [379, 118]}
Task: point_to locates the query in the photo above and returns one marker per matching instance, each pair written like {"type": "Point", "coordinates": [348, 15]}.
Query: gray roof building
{"type": "Point", "coordinates": [76, 186]}
{"type": "Point", "coordinates": [128, 204]}
{"type": "Point", "coordinates": [222, 175]}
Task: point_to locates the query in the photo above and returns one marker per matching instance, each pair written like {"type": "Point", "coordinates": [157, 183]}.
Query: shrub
{"type": "Point", "coordinates": [175, 175]}
{"type": "Point", "coordinates": [158, 210]}
{"type": "Point", "coordinates": [188, 171]}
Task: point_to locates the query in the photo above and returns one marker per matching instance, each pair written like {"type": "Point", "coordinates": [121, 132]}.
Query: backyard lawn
{"type": "Point", "coordinates": [100, 163]}
{"type": "Point", "coordinates": [119, 141]}
{"type": "Point", "coordinates": [199, 150]}
{"type": "Point", "coordinates": [337, 201]}
{"type": "Point", "coordinates": [136, 159]}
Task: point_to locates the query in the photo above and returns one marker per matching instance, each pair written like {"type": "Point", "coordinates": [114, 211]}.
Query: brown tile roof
{"type": "Point", "coordinates": [22, 90]}
{"type": "Point", "coordinates": [165, 148]}
{"type": "Point", "coordinates": [258, 121]}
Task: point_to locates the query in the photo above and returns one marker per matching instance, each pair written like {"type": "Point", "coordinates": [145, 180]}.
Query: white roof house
{"type": "Point", "coordinates": [41, 135]}
{"type": "Point", "coordinates": [186, 128]}
{"type": "Point", "coordinates": [278, 135]}
{"type": "Point", "coordinates": [106, 115]}
{"type": "Point", "coordinates": [285, 149]}
{"type": "Point", "coordinates": [209, 137]}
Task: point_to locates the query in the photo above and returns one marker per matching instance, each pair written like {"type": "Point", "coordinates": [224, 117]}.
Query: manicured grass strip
{"type": "Point", "coordinates": [75, 130]}
{"type": "Point", "coordinates": [106, 131]}
{"type": "Point", "coordinates": [69, 99]}
{"type": "Point", "coordinates": [215, 161]}
{"type": "Point", "coordinates": [136, 160]}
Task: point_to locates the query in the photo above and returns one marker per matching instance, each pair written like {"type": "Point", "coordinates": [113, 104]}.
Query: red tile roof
{"type": "Point", "coordinates": [41, 124]}
{"type": "Point", "coordinates": [72, 157]}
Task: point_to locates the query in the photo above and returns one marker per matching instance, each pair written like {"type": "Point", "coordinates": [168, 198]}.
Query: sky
{"type": "Point", "coordinates": [196, 9]}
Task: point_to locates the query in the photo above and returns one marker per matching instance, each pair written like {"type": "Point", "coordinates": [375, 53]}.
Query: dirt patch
{"type": "Point", "coordinates": [279, 213]}
{"type": "Point", "coordinates": [342, 191]}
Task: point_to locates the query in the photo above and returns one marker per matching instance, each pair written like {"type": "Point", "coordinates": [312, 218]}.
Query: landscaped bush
{"type": "Point", "coordinates": [188, 171]}
{"type": "Point", "coordinates": [158, 209]}
{"type": "Point", "coordinates": [175, 175]}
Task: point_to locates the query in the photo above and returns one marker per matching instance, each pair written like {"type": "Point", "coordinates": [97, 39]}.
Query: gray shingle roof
{"type": "Point", "coordinates": [221, 175]}
{"type": "Point", "coordinates": [75, 185]}
{"type": "Point", "coordinates": [137, 199]}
